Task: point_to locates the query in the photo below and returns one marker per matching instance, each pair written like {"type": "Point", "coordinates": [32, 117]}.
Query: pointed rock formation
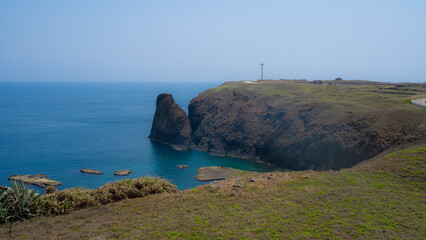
{"type": "Point", "coordinates": [171, 124]}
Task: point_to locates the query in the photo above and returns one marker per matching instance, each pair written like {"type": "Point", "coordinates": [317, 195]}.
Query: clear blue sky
{"type": "Point", "coordinates": [382, 40]}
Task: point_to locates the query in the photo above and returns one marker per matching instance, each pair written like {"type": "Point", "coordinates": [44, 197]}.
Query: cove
{"type": "Point", "coordinates": [58, 128]}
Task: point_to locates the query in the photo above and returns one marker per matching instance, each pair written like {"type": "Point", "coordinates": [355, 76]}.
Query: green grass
{"type": "Point", "coordinates": [380, 199]}
{"type": "Point", "coordinates": [359, 98]}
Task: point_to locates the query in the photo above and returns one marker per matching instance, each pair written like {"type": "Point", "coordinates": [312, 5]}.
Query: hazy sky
{"type": "Point", "coordinates": [383, 40]}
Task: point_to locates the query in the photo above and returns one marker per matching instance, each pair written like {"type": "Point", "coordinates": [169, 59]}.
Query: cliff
{"type": "Point", "coordinates": [171, 124]}
{"type": "Point", "coordinates": [304, 125]}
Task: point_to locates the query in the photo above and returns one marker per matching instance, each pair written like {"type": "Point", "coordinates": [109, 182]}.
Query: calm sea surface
{"type": "Point", "coordinates": [59, 128]}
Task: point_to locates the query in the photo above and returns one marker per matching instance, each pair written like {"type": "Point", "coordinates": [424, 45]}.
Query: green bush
{"type": "Point", "coordinates": [61, 202]}
{"type": "Point", "coordinates": [131, 188]}
{"type": "Point", "coordinates": [18, 202]}
{"type": "Point", "coordinates": [408, 101]}
{"type": "Point", "coordinates": [65, 201]}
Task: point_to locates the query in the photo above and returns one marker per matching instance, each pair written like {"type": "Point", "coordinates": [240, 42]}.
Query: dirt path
{"type": "Point", "coordinates": [419, 102]}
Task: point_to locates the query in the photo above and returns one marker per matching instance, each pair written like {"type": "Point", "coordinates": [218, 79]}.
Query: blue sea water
{"type": "Point", "coordinates": [59, 128]}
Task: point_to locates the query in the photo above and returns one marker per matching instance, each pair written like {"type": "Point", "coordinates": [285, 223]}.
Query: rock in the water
{"type": "Point", "coordinates": [216, 173]}
{"type": "Point", "coordinates": [122, 172]}
{"type": "Point", "coordinates": [171, 124]}
{"type": "Point", "coordinates": [182, 166]}
{"type": "Point", "coordinates": [37, 179]}
{"type": "Point", "coordinates": [85, 170]}
{"type": "Point", "coordinates": [2, 187]}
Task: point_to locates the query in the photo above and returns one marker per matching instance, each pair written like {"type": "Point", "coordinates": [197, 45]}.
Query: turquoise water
{"type": "Point", "coordinates": [59, 128]}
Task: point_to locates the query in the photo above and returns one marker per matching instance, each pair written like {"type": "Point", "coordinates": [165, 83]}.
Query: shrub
{"type": "Point", "coordinates": [18, 202]}
{"type": "Point", "coordinates": [131, 188]}
{"type": "Point", "coordinates": [408, 101]}
{"type": "Point", "coordinates": [65, 201]}
{"type": "Point", "coordinates": [50, 189]}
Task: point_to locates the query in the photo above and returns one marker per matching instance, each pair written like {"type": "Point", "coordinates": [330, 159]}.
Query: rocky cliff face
{"type": "Point", "coordinates": [296, 138]}
{"type": "Point", "coordinates": [278, 124]}
{"type": "Point", "coordinates": [171, 124]}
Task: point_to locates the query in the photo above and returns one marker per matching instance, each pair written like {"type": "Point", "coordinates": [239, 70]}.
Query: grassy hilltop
{"type": "Point", "coordinates": [346, 96]}
{"type": "Point", "coordinates": [383, 198]}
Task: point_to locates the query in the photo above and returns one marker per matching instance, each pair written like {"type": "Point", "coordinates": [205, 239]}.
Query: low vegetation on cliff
{"type": "Point", "coordinates": [382, 198]}
{"type": "Point", "coordinates": [358, 96]}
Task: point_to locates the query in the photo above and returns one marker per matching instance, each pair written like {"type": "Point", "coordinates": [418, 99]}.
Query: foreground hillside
{"type": "Point", "coordinates": [383, 198]}
{"type": "Point", "coordinates": [295, 124]}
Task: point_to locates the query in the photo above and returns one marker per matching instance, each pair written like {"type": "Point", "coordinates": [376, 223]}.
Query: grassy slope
{"type": "Point", "coordinates": [380, 199]}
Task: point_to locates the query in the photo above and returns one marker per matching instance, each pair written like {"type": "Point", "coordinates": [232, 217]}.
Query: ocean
{"type": "Point", "coordinates": [58, 128]}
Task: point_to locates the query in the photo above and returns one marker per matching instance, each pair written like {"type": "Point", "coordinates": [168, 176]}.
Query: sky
{"type": "Point", "coordinates": [80, 40]}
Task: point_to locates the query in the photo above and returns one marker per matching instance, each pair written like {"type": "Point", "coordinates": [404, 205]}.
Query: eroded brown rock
{"type": "Point", "coordinates": [37, 179]}
{"type": "Point", "coordinates": [171, 124]}
{"type": "Point", "coordinates": [90, 171]}
{"type": "Point", "coordinates": [122, 172]}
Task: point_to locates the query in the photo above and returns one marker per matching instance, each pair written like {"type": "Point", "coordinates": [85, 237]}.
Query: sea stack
{"type": "Point", "coordinates": [171, 124]}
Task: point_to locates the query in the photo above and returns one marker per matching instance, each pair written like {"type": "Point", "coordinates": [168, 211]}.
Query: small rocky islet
{"type": "Point", "coordinates": [90, 171]}
{"type": "Point", "coordinates": [40, 180]}
{"type": "Point", "coordinates": [122, 172]}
